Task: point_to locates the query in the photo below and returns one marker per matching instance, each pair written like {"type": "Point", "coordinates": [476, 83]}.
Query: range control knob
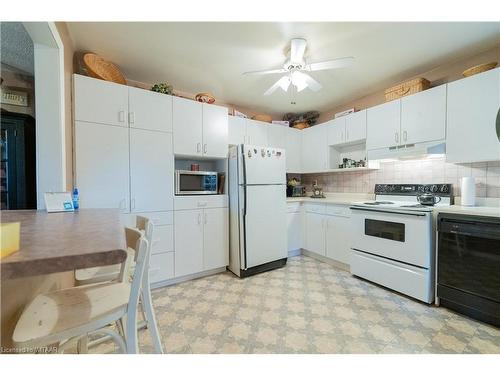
{"type": "Point", "coordinates": [443, 188]}
{"type": "Point", "coordinates": [434, 188]}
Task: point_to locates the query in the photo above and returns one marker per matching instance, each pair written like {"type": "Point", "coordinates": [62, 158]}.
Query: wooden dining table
{"type": "Point", "coordinates": [52, 246]}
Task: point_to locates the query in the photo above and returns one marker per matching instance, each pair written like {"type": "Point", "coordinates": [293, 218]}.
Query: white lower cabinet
{"type": "Point", "coordinates": [215, 238]}
{"type": "Point", "coordinates": [161, 267]}
{"type": "Point", "coordinates": [188, 242]}
{"type": "Point", "coordinates": [201, 240]}
{"type": "Point", "coordinates": [315, 233]}
{"type": "Point", "coordinates": [294, 229]}
{"type": "Point", "coordinates": [338, 239]}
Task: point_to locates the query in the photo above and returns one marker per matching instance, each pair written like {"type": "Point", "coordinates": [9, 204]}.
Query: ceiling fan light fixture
{"type": "Point", "coordinates": [298, 81]}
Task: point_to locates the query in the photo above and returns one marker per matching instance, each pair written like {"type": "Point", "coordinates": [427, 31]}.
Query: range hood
{"type": "Point", "coordinates": [409, 151]}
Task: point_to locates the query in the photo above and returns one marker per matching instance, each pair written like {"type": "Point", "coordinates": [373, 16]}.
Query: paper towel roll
{"type": "Point", "coordinates": [468, 191]}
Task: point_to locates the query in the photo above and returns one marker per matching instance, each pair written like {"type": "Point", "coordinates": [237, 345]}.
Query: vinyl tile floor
{"type": "Point", "coordinates": [306, 307]}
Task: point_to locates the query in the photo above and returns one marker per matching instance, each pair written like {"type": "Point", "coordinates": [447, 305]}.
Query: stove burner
{"type": "Point", "coordinates": [378, 203]}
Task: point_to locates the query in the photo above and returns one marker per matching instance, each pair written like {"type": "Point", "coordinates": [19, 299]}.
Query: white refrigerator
{"type": "Point", "coordinates": [257, 209]}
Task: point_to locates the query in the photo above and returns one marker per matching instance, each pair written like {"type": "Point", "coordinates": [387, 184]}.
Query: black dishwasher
{"type": "Point", "coordinates": [469, 265]}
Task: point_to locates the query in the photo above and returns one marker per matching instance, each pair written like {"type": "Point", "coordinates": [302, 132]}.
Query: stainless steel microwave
{"type": "Point", "coordinates": [195, 182]}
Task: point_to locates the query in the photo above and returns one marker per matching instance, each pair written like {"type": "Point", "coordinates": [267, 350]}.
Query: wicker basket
{"type": "Point", "coordinates": [479, 69]}
{"type": "Point", "coordinates": [263, 118]}
{"type": "Point", "coordinates": [99, 68]}
{"type": "Point", "coordinates": [301, 125]}
{"type": "Point", "coordinates": [406, 88]}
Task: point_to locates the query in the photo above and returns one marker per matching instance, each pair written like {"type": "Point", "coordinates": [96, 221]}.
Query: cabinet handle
{"type": "Point", "coordinates": [122, 204]}
{"type": "Point", "coordinates": [121, 116]}
{"type": "Point", "coordinates": [405, 135]}
{"type": "Point", "coordinates": [347, 135]}
{"type": "Point", "coordinates": [205, 219]}
{"type": "Point", "coordinates": [396, 137]}
{"type": "Point", "coordinates": [131, 117]}
{"type": "Point", "coordinates": [205, 148]}
{"type": "Point", "coordinates": [199, 219]}
{"type": "Point", "coordinates": [198, 147]}
{"type": "Point", "coordinates": [202, 204]}
{"type": "Point", "coordinates": [342, 136]}
{"type": "Point", "coordinates": [133, 203]}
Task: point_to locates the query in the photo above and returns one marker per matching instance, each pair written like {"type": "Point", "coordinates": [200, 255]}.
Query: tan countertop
{"type": "Point", "coordinates": [64, 241]}
{"type": "Point", "coordinates": [334, 198]}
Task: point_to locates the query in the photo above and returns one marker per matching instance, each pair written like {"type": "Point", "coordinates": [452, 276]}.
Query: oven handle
{"type": "Point", "coordinates": [390, 212]}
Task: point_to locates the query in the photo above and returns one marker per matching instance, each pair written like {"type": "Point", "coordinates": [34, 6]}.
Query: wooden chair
{"type": "Point", "coordinates": [112, 273]}
{"type": "Point", "coordinates": [68, 315]}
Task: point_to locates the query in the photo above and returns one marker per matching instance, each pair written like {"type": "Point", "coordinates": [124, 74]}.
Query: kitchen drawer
{"type": "Point", "coordinates": [318, 208]}
{"type": "Point", "coordinates": [293, 207]}
{"type": "Point", "coordinates": [161, 267]}
{"type": "Point", "coordinates": [158, 218]}
{"type": "Point", "coordinates": [163, 239]}
{"type": "Point", "coordinates": [338, 210]}
{"type": "Point", "coordinates": [199, 201]}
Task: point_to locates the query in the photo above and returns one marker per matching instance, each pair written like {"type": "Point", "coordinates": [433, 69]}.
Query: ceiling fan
{"type": "Point", "coordinates": [296, 64]}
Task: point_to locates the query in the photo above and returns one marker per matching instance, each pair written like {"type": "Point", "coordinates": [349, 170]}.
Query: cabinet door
{"type": "Point", "coordinates": [294, 229]}
{"type": "Point", "coordinates": [383, 125]}
{"type": "Point", "coordinates": [237, 130]}
{"type": "Point", "coordinates": [150, 110]}
{"type": "Point", "coordinates": [314, 149]}
{"type": "Point", "coordinates": [215, 238]}
{"type": "Point", "coordinates": [187, 125]}
{"type": "Point", "coordinates": [293, 150]}
{"type": "Point", "coordinates": [256, 133]}
{"type": "Point", "coordinates": [161, 267]}
{"type": "Point", "coordinates": [336, 131]}
{"type": "Point", "coordinates": [100, 101]}
{"type": "Point", "coordinates": [276, 136]}
{"type": "Point", "coordinates": [473, 104]}
{"type": "Point", "coordinates": [423, 116]}
{"type": "Point", "coordinates": [315, 233]}
{"type": "Point", "coordinates": [338, 239]}
{"type": "Point", "coordinates": [215, 131]}
{"type": "Point", "coordinates": [188, 239]}
{"type": "Point", "coordinates": [355, 126]}
{"type": "Point", "coordinates": [151, 171]}
{"type": "Point", "coordinates": [102, 165]}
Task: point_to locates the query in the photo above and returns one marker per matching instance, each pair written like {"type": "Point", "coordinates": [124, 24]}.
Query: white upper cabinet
{"type": "Point", "coordinates": [188, 127]}
{"type": "Point", "coordinates": [314, 148]}
{"type": "Point", "coordinates": [151, 166]}
{"type": "Point", "coordinates": [336, 131]}
{"type": "Point", "coordinates": [383, 125]}
{"type": "Point", "coordinates": [100, 101]}
{"type": "Point", "coordinates": [355, 127]}
{"type": "Point", "coordinates": [256, 133]}
{"type": "Point", "coordinates": [102, 165]}
{"type": "Point", "coordinates": [200, 129]}
{"type": "Point", "coordinates": [473, 105]}
{"type": "Point", "coordinates": [293, 150]}
{"type": "Point", "coordinates": [423, 116]}
{"type": "Point", "coordinates": [215, 137]}
{"type": "Point", "coordinates": [237, 130]}
{"type": "Point", "coordinates": [150, 110]}
{"type": "Point", "coordinates": [276, 136]}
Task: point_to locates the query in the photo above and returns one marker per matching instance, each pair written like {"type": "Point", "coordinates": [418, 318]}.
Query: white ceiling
{"type": "Point", "coordinates": [204, 56]}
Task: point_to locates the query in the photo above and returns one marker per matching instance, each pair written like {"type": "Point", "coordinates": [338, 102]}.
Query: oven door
{"type": "Point", "coordinates": [400, 236]}
{"type": "Point", "coordinates": [195, 182]}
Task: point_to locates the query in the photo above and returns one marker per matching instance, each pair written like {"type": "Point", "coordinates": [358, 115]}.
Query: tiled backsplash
{"type": "Point", "coordinates": [423, 171]}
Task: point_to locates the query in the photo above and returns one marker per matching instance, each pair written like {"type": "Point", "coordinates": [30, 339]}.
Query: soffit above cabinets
{"type": "Point", "coordinates": [200, 57]}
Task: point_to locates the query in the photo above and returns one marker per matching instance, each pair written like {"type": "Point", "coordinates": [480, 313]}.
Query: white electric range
{"type": "Point", "coordinates": [393, 240]}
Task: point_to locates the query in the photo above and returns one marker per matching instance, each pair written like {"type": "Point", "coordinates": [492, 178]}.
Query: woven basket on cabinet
{"type": "Point", "coordinates": [406, 88]}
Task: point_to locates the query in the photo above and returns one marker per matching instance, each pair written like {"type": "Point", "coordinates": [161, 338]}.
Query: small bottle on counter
{"type": "Point", "coordinates": [76, 199]}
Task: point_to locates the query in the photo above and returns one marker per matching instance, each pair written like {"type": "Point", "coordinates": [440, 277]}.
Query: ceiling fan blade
{"type": "Point", "coordinates": [283, 82]}
{"type": "Point", "coordinates": [310, 81]}
{"type": "Point", "coordinates": [262, 72]}
{"type": "Point", "coordinates": [297, 49]}
{"type": "Point", "coordinates": [330, 64]}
